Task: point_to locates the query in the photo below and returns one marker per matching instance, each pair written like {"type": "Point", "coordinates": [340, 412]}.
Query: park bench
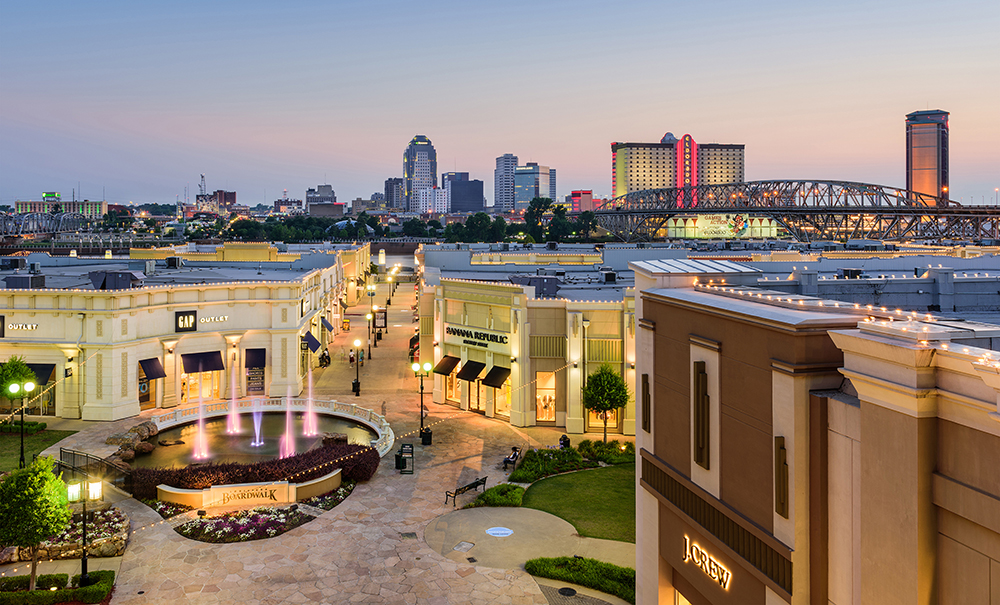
{"type": "Point", "coordinates": [515, 453]}
{"type": "Point", "coordinates": [465, 488]}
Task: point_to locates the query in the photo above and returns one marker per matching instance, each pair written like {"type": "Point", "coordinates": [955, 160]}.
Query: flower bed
{"type": "Point", "coordinates": [331, 499]}
{"type": "Point", "coordinates": [611, 452]}
{"type": "Point", "coordinates": [167, 509]}
{"type": "Point", "coordinates": [504, 494]}
{"type": "Point", "coordinates": [541, 463]}
{"type": "Point", "coordinates": [360, 466]}
{"type": "Point", "coordinates": [243, 526]}
{"type": "Point", "coordinates": [107, 535]}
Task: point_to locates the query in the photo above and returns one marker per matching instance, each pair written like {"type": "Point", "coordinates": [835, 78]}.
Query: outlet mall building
{"type": "Point", "coordinates": [107, 338]}
{"type": "Point", "coordinates": [811, 450]}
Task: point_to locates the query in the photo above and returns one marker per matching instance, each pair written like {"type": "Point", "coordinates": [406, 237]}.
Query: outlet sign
{"type": "Point", "coordinates": [186, 321]}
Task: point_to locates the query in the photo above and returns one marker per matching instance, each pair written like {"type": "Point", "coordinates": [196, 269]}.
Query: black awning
{"type": "Point", "coordinates": [326, 324]}
{"type": "Point", "coordinates": [446, 365]}
{"type": "Point", "coordinates": [311, 341]}
{"type": "Point", "coordinates": [414, 340]}
{"type": "Point", "coordinates": [496, 377]}
{"type": "Point", "coordinates": [152, 368]}
{"type": "Point", "coordinates": [470, 371]}
{"type": "Point", "coordinates": [43, 371]}
{"type": "Point", "coordinates": [343, 304]}
{"type": "Point", "coordinates": [202, 362]}
{"type": "Point", "coordinates": [255, 358]}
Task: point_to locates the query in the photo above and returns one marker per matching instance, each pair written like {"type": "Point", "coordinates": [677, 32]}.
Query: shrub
{"type": "Point", "coordinates": [243, 526]}
{"type": "Point", "coordinates": [91, 594]}
{"type": "Point", "coordinates": [360, 466]}
{"type": "Point", "coordinates": [540, 463]}
{"type": "Point", "coordinates": [331, 499]}
{"type": "Point", "coordinates": [30, 428]}
{"type": "Point", "coordinates": [611, 452]}
{"type": "Point", "coordinates": [499, 495]}
{"type": "Point", "coordinates": [605, 577]}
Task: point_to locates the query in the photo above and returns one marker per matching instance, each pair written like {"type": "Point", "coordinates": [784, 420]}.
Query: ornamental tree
{"type": "Point", "coordinates": [32, 508]}
{"type": "Point", "coordinates": [14, 370]}
{"type": "Point", "coordinates": [605, 391]}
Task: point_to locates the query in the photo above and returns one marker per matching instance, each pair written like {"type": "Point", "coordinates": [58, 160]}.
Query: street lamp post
{"type": "Point", "coordinates": [356, 387]}
{"type": "Point", "coordinates": [81, 492]}
{"type": "Point", "coordinates": [421, 371]}
{"type": "Point", "coordinates": [369, 317]}
{"type": "Point", "coordinates": [23, 390]}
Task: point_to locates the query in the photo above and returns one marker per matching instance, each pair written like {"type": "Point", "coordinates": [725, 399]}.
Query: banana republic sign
{"type": "Point", "coordinates": [493, 341]}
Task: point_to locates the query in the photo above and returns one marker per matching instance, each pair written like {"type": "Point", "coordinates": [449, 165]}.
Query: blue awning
{"type": "Point", "coordinates": [202, 362]}
{"type": "Point", "coordinates": [326, 324]}
{"type": "Point", "coordinates": [152, 368]}
{"type": "Point", "coordinates": [311, 341]}
{"type": "Point", "coordinates": [255, 358]}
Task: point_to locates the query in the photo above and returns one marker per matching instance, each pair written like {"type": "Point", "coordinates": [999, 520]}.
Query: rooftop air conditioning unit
{"type": "Point", "coordinates": [174, 262]}
{"type": "Point", "coordinates": [35, 268]}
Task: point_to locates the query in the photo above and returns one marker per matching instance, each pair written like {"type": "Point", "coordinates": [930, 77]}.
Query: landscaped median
{"type": "Point", "coordinates": [52, 588]}
{"type": "Point", "coordinates": [591, 573]}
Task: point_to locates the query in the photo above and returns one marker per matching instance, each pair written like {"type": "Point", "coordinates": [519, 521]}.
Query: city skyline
{"type": "Point", "coordinates": [139, 101]}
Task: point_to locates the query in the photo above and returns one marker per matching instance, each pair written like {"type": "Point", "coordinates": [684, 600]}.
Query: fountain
{"type": "Point", "coordinates": [258, 415]}
{"type": "Point", "coordinates": [309, 422]}
{"type": "Point", "coordinates": [201, 440]}
{"type": "Point", "coordinates": [233, 424]}
{"type": "Point", "coordinates": [287, 445]}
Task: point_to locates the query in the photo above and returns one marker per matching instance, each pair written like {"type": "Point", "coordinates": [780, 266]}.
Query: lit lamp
{"type": "Point", "coordinates": [421, 371]}
{"type": "Point", "coordinates": [375, 328]}
{"type": "Point", "coordinates": [356, 387]}
{"type": "Point", "coordinates": [388, 301]}
{"type": "Point", "coordinates": [82, 492]}
{"type": "Point", "coordinates": [22, 391]}
{"type": "Point", "coordinates": [369, 317]}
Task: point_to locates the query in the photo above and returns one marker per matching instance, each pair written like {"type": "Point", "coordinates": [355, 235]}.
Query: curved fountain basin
{"type": "Point", "coordinates": [224, 447]}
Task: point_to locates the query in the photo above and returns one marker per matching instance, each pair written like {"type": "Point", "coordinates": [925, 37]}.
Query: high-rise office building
{"type": "Point", "coordinates": [395, 193]}
{"type": "Point", "coordinates": [673, 163]}
{"type": "Point", "coordinates": [431, 199]}
{"type": "Point", "coordinates": [322, 194]}
{"type": "Point", "coordinates": [419, 168]}
{"type": "Point", "coordinates": [503, 182]}
{"type": "Point", "coordinates": [453, 176]}
{"type": "Point", "coordinates": [927, 152]}
{"type": "Point", "coordinates": [531, 181]}
{"type": "Point", "coordinates": [465, 195]}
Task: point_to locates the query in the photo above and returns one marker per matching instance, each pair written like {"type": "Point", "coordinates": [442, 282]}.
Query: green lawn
{"type": "Point", "coordinates": [600, 503]}
{"type": "Point", "coordinates": [10, 446]}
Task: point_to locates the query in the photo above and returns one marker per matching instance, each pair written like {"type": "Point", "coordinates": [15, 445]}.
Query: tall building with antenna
{"type": "Point", "coordinates": [419, 169]}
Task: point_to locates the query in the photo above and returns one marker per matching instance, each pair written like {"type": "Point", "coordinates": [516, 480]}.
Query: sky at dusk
{"type": "Point", "coordinates": [138, 99]}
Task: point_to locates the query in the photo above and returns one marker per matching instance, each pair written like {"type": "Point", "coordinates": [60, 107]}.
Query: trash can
{"type": "Point", "coordinates": [356, 386]}
{"type": "Point", "coordinates": [425, 437]}
{"type": "Point", "coordinates": [400, 462]}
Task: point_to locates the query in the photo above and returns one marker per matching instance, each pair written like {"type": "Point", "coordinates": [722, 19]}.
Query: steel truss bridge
{"type": "Point", "coordinates": [808, 210]}
{"type": "Point", "coordinates": [38, 223]}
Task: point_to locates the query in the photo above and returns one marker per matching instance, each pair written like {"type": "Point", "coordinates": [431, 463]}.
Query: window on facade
{"type": "Point", "coordinates": [545, 396]}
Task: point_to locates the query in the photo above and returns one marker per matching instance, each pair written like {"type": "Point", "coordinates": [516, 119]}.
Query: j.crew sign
{"type": "Point", "coordinates": [696, 554]}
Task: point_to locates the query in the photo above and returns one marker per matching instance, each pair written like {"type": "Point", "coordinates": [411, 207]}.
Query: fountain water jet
{"type": "Point", "coordinates": [287, 445]}
{"type": "Point", "coordinates": [258, 415]}
{"type": "Point", "coordinates": [309, 422]}
{"type": "Point", "coordinates": [233, 424]}
{"type": "Point", "coordinates": [201, 439]}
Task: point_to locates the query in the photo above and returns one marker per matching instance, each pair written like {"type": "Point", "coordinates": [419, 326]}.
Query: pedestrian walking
{"type": "Point", "coordinates": [361, 357]}
{"type": "Point", "coordinates": [351, 357]}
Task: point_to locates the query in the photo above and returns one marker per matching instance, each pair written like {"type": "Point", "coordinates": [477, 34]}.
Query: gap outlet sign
{"type": "Point", "coordinates": [498, 342]}
{"type": "Point", "coordinates": [186, 321]}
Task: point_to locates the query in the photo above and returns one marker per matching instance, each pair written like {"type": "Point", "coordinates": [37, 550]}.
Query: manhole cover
{"type": "Point", "coordinates": [464, 546]}
{"type": "Point", "coordinates": [471, 559]}
{"type": "Point", "coordinates": [409, 535]}
{"type": "Point", "coordinates": [499, 532]}
{"type": "Point", "coordinates": [567, 592]}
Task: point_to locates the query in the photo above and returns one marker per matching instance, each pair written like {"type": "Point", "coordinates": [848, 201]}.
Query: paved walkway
{"type": "Point", "coordinates": [387, 543]}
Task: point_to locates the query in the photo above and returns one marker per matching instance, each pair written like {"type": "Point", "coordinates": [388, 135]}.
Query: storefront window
{"type": "Point", "coordinates": [501, 402]}
{"type": "Point", "coordinates": [147, 391]}
{"type": "Point", "coordinates": [545, 396]}
{"type": "Point", "coordinates": [200, 384]}
{"type": "Point", "coordinates": [596, 420]}
{"type": "Point", "coordinates": [452, 388]}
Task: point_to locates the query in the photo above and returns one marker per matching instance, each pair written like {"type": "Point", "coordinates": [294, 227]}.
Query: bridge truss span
{"type": "Point", "coordinates": [38, 223]}
{"type": "Point", "coordinates": [807, 210]}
